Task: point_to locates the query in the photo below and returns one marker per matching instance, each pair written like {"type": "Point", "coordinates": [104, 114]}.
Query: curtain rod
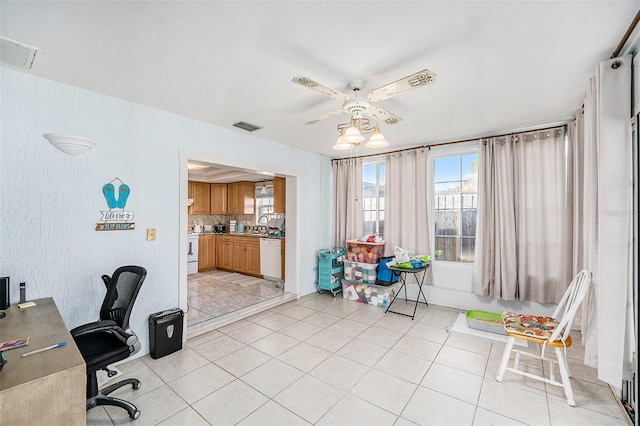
{"type": "Point", "coordinates": [542, 129]}
{"type": "Point", "coordinates": [626, 36]}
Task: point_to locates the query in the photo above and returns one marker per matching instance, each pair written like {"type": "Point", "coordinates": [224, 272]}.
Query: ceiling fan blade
{"type": "Point", "coordinates": [382, 115]}
{"type": "Point", "coordinates": [410, 82]}
{"type": "Point", "coordinates": [314, 85]}
{"type": "Point", "coordinates": [327, 115]}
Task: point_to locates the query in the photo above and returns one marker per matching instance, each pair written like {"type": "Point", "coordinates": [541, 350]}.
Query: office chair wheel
{"type": "Point", "coordinates": [136, 386]}
{"type": "Point", "coordinates": [135, 415]}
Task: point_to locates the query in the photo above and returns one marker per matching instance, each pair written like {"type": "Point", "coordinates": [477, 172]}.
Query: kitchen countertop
{"type": "Point", "coordinates": [240, 234]}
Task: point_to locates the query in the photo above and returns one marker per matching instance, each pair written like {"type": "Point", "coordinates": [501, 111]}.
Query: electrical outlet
{"type": "Point", "coordinates": [151, 234]}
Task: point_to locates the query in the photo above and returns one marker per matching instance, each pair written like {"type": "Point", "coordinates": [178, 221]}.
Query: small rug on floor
{"type": "Point", "coordinates": [460, 326]}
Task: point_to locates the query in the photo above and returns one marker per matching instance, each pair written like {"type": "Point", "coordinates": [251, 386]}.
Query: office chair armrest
{"type": "Point", "coordinates": [101, 326]}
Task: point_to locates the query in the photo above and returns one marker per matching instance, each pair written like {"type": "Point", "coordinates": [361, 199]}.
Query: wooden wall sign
{"type": "Point", "coordinates": [114, 219]}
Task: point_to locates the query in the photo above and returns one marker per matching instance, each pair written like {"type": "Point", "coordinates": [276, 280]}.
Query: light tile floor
{"type": "Point", "coordinates": [328, 361]}
{"type": "Point", "coordinates": [213, 294]}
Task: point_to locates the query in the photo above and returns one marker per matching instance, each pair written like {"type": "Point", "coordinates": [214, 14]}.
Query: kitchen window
{"type": "Point", "coordinates": [264, 202]}
{"type": "Point", "coordinates": [455, 189]}
{"type": "Point", "coordinates": [373, 197]}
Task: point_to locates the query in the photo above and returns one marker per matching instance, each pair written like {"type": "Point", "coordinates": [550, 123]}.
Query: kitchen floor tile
{"type": "Point", "coordinates": [201, 382]}
{"type": "Point", "coordinates": [304, 356]}
{"type": "Point", "coordinates": [428, 407]}
{"type": "Point", "coordinates": [340, 372]}
{"type": "Point", "coordinates": [242, 361]}
{"type": "Point", "coordinates": [272, 377]}
{"type": "Point", "coordinates": [230, 404]}
{"type": "Point", "coordinates": [385, 391]}
{"type": "Point", "coordinates": [531, 408]}
{"type": "Point", "coordinates": [403, 366]}
{"type": "Point", "coordinates": [275, 343]}
{"type": "Point", "coordinates": [309, 398]}
{"type": "Point", "coordinates": [470, 362]}
{"type": "Point", "coordinates": [300, 330]}
{"type": "Point", "coordinates": [273, 414]}
{"type": "Point", "coordinates": [218, 347]}
{"type": "Point", "coordinates": [363, 352]}
{"type": "Point", "coordinates": [354, 411]}
{"type": "Point", "coordinates": [323, 345]}
{"type": "Point", "coordinates": [453, 382]}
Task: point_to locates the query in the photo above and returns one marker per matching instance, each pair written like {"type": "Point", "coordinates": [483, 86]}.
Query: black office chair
{"type": "Point", "coordinates": [110, 339]}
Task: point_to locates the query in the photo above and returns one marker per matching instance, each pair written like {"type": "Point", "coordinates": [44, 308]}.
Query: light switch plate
{"type": "Point", "coordinates": [151, 234]}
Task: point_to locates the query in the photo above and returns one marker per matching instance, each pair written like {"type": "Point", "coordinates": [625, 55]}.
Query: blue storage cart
{"type": "Point", "coordinates": [331, 269]}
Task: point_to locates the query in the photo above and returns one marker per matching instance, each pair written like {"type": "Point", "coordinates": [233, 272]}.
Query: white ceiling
{"type": "Point", "coordinates": [500, 65]}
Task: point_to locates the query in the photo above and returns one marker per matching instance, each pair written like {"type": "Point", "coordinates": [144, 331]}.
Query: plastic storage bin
{"type": "Point", "coordinates": [490, 322]}
{"type": "Point", "coordinates": [165, 332]}
{"type": "Point", "coordinates": [360, 272]}
{"type": "Point", "coordinates": [360, 251]}
{"type": "Point", "coordinates": [370, 294]}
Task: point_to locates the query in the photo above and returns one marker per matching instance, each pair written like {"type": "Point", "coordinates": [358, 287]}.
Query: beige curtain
{"type": "Point", "coordinates": [602, 153]}
{"type": "Point", "coordinates": [406, 205]}
{"type": "Point", "coordinates": [523, 251]}
{"type": "Point", "coordinates": [584, 159]}
{"type": "Point", "coordinates": [347, 177]}
{"type": "Point", "coordinates": [616, 334]}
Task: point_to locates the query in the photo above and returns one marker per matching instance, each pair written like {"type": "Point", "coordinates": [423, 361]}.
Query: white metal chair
{"type": "Point", "coordinates": [555, 335]}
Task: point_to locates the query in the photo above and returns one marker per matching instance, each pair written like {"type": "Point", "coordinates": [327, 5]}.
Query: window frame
{"type": "Point", "coordinates": [378, 161]}
{"type": "Point", "coordinates": [460, 149]}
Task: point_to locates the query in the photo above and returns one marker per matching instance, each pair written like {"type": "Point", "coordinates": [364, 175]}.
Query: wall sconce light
{"type": "Point", "coordinates": [69, 144]}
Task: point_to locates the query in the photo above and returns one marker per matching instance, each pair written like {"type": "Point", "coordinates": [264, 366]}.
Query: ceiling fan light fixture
{"type": "Point", "coordinates": [377, 140]}
{"type": "Point", "coordinates": [352, 135]}
{"type": "Point", "coordinates": [341, 144]}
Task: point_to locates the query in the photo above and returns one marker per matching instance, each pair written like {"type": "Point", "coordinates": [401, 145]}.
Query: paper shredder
{"type": "Point", "coordinates": [165, 332]}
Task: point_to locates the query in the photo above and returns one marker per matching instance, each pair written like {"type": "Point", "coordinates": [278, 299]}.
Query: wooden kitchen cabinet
{"type": "Point", "coordinates": [218, 196]}
{"type": "Point", "coordinates": [246, 255]}
{"type": "Point", "coordinates": [279, 194]}
{"type": "Point", "coordinates": [206, 253]}
{"type": "Point", "coordinates": [241, 198]}
{"type": "Point", "coordinates": [224, 252]}
{"type": "Point", "coordinates": [201, 194]}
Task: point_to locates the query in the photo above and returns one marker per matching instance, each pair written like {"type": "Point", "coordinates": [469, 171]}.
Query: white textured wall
{"type": "Point", "coordinates": [50, 201]}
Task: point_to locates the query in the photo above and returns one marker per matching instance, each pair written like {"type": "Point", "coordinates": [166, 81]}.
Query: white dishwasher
{"type": "Point", "coordinates": [271, 259]}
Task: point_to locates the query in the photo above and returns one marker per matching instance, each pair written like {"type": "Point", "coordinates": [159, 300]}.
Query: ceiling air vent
{"type": "Point", "coordinates": [246, 126]}
{"type": "Point", "coordinates": [16, 54]}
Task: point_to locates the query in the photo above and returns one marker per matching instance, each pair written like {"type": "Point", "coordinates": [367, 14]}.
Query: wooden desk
{"type": "Point", "coordinates": [45, 388]}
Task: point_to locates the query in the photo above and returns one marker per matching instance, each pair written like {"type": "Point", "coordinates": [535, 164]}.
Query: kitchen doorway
{"type": "Point", "coordinates": [220, 296]}
{"type": "Point", "coordinates": [216, 297]}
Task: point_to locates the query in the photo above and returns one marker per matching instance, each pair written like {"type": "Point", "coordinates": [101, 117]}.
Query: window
{"type": "Point", "coordinates": [264, 202]}
{"type": "Point", "coordinates": [455, 207]}
{"type": "Point", "coordinates": [373, 198]}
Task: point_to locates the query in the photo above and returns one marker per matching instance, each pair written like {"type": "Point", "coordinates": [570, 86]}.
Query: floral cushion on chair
{"type": "Point", "coordinates": [529, 325]}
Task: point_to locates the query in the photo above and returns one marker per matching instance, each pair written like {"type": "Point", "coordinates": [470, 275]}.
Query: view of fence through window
{"type": "Point", "coordinates": [456, 207]}
{"type": "Point", "coordinates": [455, 204]}
{"type": "Point", "coordinates": [373, 198]}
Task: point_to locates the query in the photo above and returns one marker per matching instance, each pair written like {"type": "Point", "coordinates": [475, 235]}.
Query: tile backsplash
{"type": "Point", "coordinates": [215, 219]}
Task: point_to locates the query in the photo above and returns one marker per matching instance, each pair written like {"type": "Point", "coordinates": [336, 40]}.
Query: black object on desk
{"type": "Point", "coordinates": [402, 274]}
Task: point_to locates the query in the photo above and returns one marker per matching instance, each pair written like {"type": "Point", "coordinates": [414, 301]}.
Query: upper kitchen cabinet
{"type": "Point", "coordinates": [201, 195]}
{"type": "Point", "coordinates": [241, 198]}
{"type": "Point", "coordinates": [279, 194]}
{"type": "Point", "coordinates": [219, 198]}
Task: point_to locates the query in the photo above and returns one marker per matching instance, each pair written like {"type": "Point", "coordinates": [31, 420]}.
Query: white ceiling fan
{"type": "Point", "coordinates": [358, 107]}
